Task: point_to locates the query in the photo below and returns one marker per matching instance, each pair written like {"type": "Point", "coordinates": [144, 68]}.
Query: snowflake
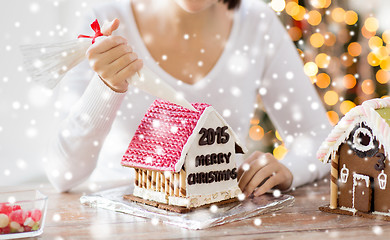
{"type": "Point", "coordinates": [289, 75]}
{"type": "Point", "coordinates": [377, 230]}
{"type": "Point", "coordinates": [312, 167]}
{"type": "Point", "coordinates": [154, 221]}
{"type": "Point", "coordinates": [235, 91]}
{"type": "Point", "coordinates": [315, 105]}
{"type": "Point", "coordinates": [257, 222]}
{"type": "Point", "coordinates": [213, 208]}
{"type": "Point", "coordinates": [56, 217]}
{"type": "Point", "coordinates": [226, 113]}
{"type": "Point", "coordinates": [7, 172]}
{"type": "Point", "coordinates": [262, 91]}
{"type": "Point", "coordinates": [20, 163]}
{"type": "Point", "coordinates": [276, 193]}
{"type": "Point", "coordinates": [245, 166]}
{"type": "Point", "coordinates": [277, 105]}
{"type": "Point", "coordinates": [31, 132]}
{"type": "Point", "coordinates": [241, 197]}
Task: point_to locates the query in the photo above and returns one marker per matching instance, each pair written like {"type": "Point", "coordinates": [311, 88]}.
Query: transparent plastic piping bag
{"type": "Point", "coordinates": [48, 63]}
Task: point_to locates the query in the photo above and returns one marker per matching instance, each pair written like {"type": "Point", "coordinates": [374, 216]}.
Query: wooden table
{"type": "Point", "coordinates": [68, 219]}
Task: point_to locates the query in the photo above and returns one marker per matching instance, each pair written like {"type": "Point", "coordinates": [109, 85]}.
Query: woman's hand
{"type": "Point", "coordinates": [263, 171]}
{"type": "Point", "coordinates": [113, 60]}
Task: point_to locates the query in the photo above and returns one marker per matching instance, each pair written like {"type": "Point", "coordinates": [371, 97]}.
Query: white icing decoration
{"type": "Point", "coordinates": [348, 209]}
{"type": "Point", "coordinates": [381, 213]}
{"type": "Point", "coordinates": [213, 121]}
{"type": "Point", "coordinates": [360, 114]}
{"type": "Point", "coordinates": [192, 201]}
{"type": "Point", "coordinates": [344, 174]}
{"type": "Point", "coordinates": [382, 180]}
{"type": "Point", "coordinates": [357, 177]}
{"type": "Point", "coordinates": [357, 141]}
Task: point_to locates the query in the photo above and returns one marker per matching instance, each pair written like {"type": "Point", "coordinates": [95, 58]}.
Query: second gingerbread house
{"type": "Point", "coordinates": [358, 149]}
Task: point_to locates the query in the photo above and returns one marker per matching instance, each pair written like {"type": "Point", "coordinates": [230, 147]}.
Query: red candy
{"type": "Point", "coordinates": [16, 207]}
{"type": "Point", "coordinates": [17, 216]}
{"type": "Point", "coordinates": [6, 230]}
{"type": "Point", "coordinates": [36, 215]}
{"type": "Point", "coordinates": [19, 219]}
{"type": "Point", "coordinates": [5, 208]}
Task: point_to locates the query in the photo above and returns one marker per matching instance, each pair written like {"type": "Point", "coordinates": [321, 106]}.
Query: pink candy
{"type": "Point", "coordinates": [5, 208]}
{"type": "Point", "coordinates": [18, 216]}
{"type": "Point", "coordinates": [36, 215]}
{"type": "Point", "coordinates": [14, 219]}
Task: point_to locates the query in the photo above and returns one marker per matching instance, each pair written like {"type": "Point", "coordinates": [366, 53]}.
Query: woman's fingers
{"type": "Point", "coordinates": [245, 165]}
{"type": "Point", "coordinates": [261, 177]}
{"type": "Point", "coordinates": [114, 61]}
{"type": "Point", "coordinates": [273, 181]}
{"type": "Point", "coordinates": [254, 166]}
{"type": "Point", "coordinates": [263, 171]}
{"type": "Point", "coordinates": [109, 27]}
{"type": "Point", "coordinates": [130, 70]}
{"type": "Point", "coordinates": [104, 44]}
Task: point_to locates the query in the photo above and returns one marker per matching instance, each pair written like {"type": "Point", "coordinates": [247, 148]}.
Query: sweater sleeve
{"type": "Point", "coordinates": [293, 105]}
{"type": "Point", "coordinates": [75, 146]}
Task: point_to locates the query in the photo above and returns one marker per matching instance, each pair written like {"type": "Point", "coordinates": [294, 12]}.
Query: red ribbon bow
{"type": "Point", "coordinates": [96, 27]}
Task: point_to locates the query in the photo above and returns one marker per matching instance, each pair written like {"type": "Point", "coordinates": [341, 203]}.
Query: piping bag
{"type": "Point", "coordinates": [47, 64]}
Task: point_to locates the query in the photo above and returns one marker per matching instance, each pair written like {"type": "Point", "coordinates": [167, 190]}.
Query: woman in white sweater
{"type": "Point", "coordinates": [223, 54]}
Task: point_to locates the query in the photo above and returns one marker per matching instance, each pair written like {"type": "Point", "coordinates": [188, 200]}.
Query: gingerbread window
{"type": "Point", "coordinates": [362, 141]}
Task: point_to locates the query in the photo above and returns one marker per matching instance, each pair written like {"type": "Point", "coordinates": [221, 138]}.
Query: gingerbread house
{"type": "Point", "coordinates": [183, 157]}
{"type": "Point", "coordinates": [358, 150]}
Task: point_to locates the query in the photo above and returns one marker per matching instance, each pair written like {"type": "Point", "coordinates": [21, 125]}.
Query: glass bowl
{"type": "Point", "coordinates": [22, 214]}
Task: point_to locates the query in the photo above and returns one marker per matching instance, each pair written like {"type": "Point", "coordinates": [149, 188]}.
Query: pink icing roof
{"type": "Point", "coordinates": [366, 112]}
{"type": "Point", "coordinates": [161, 136]}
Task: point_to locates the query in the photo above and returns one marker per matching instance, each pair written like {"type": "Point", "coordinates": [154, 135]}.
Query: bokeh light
{"type": "Point", "coordinates": [338, 15]}
{"type": "Point", "coordinates": [349, 81]}
{"type": "Point", "coordinates": [386, 36]}
{"type": "Point", "coordinates": [368, 86]}
{"type": "Point", "coordinates": [375, 42]}
{"type": "Point", "coordinates": [372, 59]}
{"type": "Point", "coordinates": [333, 117]}
{"type": "Point", "coordinates": [310, 69]}
{"type": "Point", "coordinates": [278, 5]}
{"type": "Point", "coordinates": [385, 64]}
{"type": "Point", "coordinates": [317, 40]}
{"type": "Point", "coordinates": [331, 98]}
{"type": "Point", "coordinates": [256, 133]}
{"type": "Point", "coordinates": [354, 49]}
{"type": "Point", "coordinates": [330, 39]}
{"type": "Point", "coordinates": [346, 105]}
{"type": "Point", "coordinates": [323, 80]}
{"type": "Point", "coordinates": [350, 17]}
{"type": "Point", "coordinates": [295, 33]}
{"type": "Point", "coordinates": [279, 152]}
{"type": "Point", "coordinates": [382, 76]}
{"type": "Point", "coordinates": [371, 24]}
{"type": "Point", "coordinates": [322, 60]}
{"type": "Point", "coordinates": [314, 18]}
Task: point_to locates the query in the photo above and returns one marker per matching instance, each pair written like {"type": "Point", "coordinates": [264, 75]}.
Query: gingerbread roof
{"type": "Point", "coordinates": [164, 136]}
{"type": "Point", "coordinates": [374, 113]}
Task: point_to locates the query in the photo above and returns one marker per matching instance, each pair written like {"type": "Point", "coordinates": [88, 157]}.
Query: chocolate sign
{"type": "Point", "coordinates": [212, 176]}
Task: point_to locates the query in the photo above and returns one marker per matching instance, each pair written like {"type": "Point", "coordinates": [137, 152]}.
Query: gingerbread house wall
{"type": "Point", "coordinates": [354, 164]}
{"type": "Point", "coordinates": [164, 183]}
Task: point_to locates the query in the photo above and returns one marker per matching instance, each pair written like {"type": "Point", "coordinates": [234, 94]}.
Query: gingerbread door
{"type": "Point", "coordinates": [362, 192]}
